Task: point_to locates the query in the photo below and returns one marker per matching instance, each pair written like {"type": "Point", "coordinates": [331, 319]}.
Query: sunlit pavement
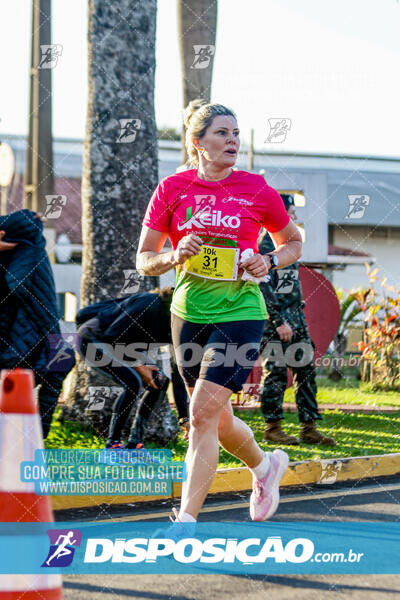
{"type": "Point", "coordinates": [372, 501]}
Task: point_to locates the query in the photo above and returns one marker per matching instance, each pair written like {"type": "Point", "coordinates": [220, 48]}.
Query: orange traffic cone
{"type": "Point", "coordinates": [20, 436]}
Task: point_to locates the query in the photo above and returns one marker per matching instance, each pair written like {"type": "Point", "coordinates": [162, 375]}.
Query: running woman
{"type": "Point", "coordinates": [212, 213]}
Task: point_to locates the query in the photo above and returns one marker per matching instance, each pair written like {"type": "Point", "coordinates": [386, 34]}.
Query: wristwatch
{"type": "Point", "coordinates": [273, 260]}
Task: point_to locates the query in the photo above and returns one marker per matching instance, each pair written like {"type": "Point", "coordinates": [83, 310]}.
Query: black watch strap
{"type": "Point", "coordinates": [273, 260]}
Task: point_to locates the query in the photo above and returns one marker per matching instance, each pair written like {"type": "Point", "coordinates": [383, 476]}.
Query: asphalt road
{"type": "Point", "coordinates": [364, 501]}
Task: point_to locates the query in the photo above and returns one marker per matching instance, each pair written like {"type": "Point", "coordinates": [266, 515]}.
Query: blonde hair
{"type": "Point", "coordinates": [197, 117]}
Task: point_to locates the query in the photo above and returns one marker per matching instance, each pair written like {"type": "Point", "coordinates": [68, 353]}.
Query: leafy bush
{"type": "Point", "coordinates": [380, 346]}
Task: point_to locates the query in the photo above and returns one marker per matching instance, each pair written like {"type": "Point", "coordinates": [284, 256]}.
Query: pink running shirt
{"type": "Point", "coordinates": [233, 208]}
{"type": "Point", "coordinates": [229, 212]}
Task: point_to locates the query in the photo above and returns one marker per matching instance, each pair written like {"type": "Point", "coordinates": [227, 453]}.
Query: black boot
{"type": "Point", "coordinates": [136, 434]}
{"type": "Point", "coordinates": [114, 430]}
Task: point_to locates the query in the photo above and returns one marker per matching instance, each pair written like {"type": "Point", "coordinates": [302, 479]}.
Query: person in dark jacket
{"type": "Point", "coordinates": [141, 318]}
{"type": "Point", "coordinates": [286, 325]}
{"type": "Point", "coordinates": [29, 317]}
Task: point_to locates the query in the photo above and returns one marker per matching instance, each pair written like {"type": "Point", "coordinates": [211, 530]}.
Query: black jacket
{"type": "Point", "coordinates": [28, 302]}
{"type": "Point", "coordinates": [142, 317]}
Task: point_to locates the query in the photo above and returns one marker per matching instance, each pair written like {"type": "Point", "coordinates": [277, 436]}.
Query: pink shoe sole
{"type": "Point", "coordinates": [264, 499]}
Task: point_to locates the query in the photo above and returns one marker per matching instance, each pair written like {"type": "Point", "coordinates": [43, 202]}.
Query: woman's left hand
{"type": "Point", "coordinates": [6, 245]}
{"type": "Point", "coordinates": [186, 428]}
{"type": "Point", "coordinates": [146, 373]}
{"type": "Point", "coordinates": [256, 265]}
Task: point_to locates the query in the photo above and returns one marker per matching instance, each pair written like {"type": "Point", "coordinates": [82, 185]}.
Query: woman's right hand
{"type": "Point", "coordinates": [188, 246]}
{"type": "Point", "coordinates": [285, 332]}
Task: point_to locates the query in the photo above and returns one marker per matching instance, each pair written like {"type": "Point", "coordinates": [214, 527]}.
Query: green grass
{"type": "Point", "coordinates": [356, 435]}
{"type": "Point", "coordinates": [350, 391]}
{"type": "Point", "coordinates": [71, 435]}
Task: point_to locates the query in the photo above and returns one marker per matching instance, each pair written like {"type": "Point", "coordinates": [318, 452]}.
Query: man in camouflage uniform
{"type": "Point", "coordinates": [286, 344]}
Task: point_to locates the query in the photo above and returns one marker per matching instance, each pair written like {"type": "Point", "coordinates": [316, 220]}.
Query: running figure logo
{"type": "Point", "coordinates": [62, 542]}
{"type": "Point", "coordinates": [330, 469]}
{"type": "Point", "coordinates": [287, 279]}
{"type": "Point", "coordinates": [99, 395]}
{"type": "Point", "coordinates": [132, 282]}
{"type": "Point", "coordinates": [357, 205]}
{"type": "Point", "coordinates": [252, 390]}
{"type": "Point", "coordinates": [61, 355]}
{"type": "Point", "coordinates": [49, 55]}
{"type": "Point", "coordinates": [202, 56]}
{"type": "Point", "coordinates": [278, 130]}
{"type": "Point", "coordinates": [55, 204]}
{"type": "Point", "coordinates": [128, 130]}
{"type": "Point", "coordinates": [203, 200]}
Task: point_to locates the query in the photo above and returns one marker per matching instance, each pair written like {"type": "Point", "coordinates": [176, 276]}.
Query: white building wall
{"type": "Point", "coordinates": [67, 278]}
{"type": "Point", "coordinates": [386, 252]}
{"type": "Point", "coordinates": [314, 215]}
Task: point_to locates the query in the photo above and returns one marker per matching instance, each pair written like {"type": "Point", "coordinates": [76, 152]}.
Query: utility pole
{"type": "Point", "coordinates": [39, 178]}
{"type": "Point", "coordinates": [250, 155]}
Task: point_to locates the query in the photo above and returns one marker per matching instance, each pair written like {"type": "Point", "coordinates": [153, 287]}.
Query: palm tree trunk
{"type": "Point", "coordinates": [120, 171]}
{"type": "Point", "coordinates": [197, 26]}
{"type": "Point", "coordinates": [120, 165]}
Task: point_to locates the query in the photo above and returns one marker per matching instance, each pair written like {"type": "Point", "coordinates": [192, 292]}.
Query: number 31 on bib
{"type": "Point", "coordinates": [214, 263]}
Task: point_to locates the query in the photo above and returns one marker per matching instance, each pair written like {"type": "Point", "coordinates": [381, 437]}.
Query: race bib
{"type": "Point", "coordinates": [214, 262]}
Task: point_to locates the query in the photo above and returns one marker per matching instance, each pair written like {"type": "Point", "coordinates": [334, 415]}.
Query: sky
{"type": "Point", "coordinates": [331, 67]}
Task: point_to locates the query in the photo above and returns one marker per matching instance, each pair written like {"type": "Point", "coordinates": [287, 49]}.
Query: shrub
{"type": "Point", "coordinates": [381, 333]}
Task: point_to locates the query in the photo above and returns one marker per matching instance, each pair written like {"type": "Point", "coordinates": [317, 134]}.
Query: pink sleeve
{"type": "Point", "coordinates": [157, 214]}
{"type": "Point", "coordinates": [275, 216]}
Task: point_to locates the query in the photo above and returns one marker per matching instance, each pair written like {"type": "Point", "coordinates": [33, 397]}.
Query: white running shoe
{"type": "Point", "coordinates": [178, 530]}
{"type": "Point", "coordinates": [264, 499]}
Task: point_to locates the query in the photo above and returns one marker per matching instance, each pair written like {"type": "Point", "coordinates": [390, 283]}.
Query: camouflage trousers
{"type": "Point", "coordinates": [298, 356]}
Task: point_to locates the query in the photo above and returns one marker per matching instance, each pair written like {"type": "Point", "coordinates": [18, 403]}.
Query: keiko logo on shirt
{"type": "Point", "coordinates": [207, 217]}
